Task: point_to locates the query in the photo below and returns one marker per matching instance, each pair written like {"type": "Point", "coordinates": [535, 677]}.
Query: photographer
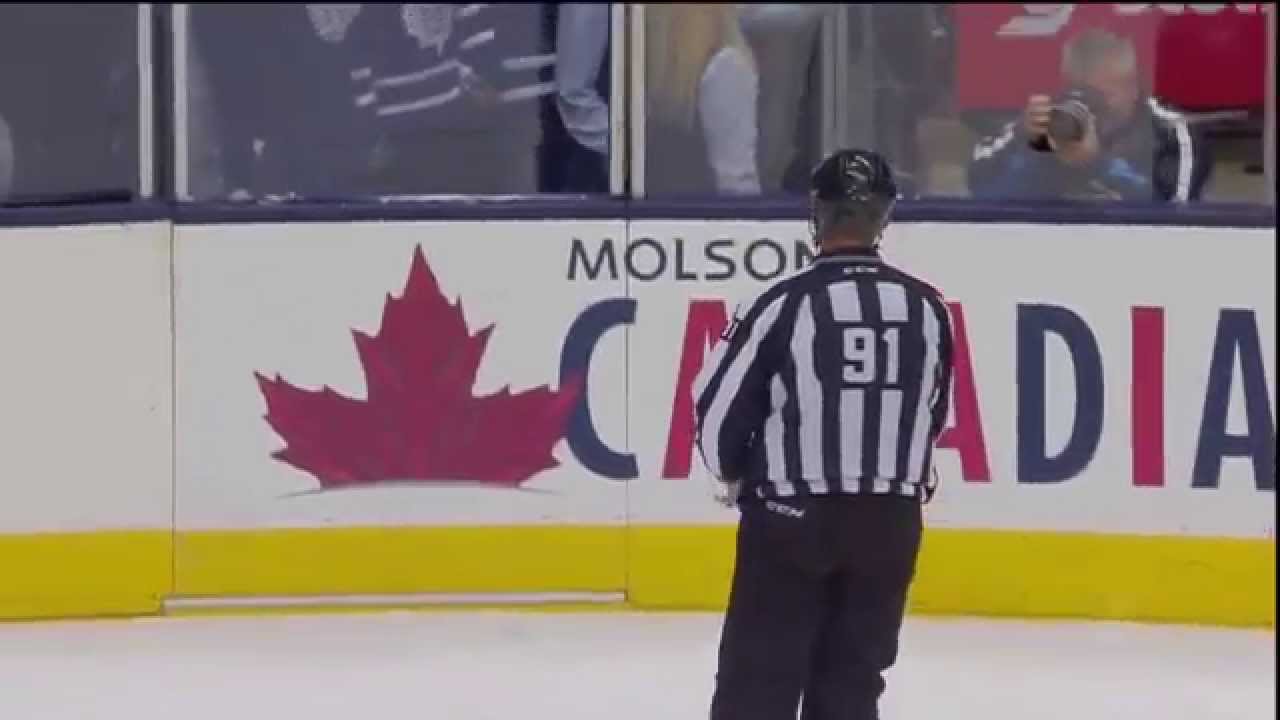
{"type": "Point", "coordinates": [1102, 139]}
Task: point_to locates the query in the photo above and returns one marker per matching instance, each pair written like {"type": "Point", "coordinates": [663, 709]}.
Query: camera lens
{"type": "Point", "coordinates": [1067, 121]}
{"type": "Point", "coordinates": [1064, 127]}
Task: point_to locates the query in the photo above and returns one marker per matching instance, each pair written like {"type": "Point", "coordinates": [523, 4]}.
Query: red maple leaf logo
{"type": "Point", "coordinates": [420, 422]}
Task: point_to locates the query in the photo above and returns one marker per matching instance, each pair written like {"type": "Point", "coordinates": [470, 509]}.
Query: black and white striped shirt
{"type": "Point", "coordinates": [835, 380]}
{"type": "Point", "coordinates": [421, 56]}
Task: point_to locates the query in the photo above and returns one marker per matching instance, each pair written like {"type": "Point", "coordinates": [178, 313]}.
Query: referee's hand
{"type": "Point", "coordinates": [726, 492]}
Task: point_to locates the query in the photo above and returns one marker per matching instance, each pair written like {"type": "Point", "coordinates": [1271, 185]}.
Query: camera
{"type": "Point", "coordinates": [1069, 114]}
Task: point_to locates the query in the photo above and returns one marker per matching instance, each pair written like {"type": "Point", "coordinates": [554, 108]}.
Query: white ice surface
{"type": "Point", "coordinates": [615, 666]}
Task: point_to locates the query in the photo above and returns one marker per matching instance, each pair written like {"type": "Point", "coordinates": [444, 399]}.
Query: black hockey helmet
{"type": "Point", "coordinates": [852, 188]}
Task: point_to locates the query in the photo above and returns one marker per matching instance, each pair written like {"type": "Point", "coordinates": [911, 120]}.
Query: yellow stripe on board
{"type": "Point", "coordinates": [971, 572]}
{"type": "Point", "coordinates": [387, 560]}
{"type": "Point", "coordinates": [1220, 581]}
{"type": "Point", "coordinates": [1216, 581]}
{"type": "Point", "coordinates": [91, 574]}
{"type": "Point", "coordinates": [681, 566]}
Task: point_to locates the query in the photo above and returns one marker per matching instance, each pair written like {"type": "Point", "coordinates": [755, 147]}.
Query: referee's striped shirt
{"type": "Point", "coordinates": [835, 380]}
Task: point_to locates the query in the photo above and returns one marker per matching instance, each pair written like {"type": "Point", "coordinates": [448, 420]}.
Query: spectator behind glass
{"type": "Point", "coordinates": [783, 39]}
{"type": "Point", "coordinates": [701, 87]}
{"type": "Point", "coordinates": [376, 99]}
{"type": "Point", "coordinates": [1131, 147]}
{"type": "Point", "coordinates": [459, 105]}
{"type": "Point", "coordinates": [582, 83]}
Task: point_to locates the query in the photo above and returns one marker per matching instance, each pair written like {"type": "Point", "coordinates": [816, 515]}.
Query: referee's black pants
{"type": "Point", "coordinates": [819, 592]}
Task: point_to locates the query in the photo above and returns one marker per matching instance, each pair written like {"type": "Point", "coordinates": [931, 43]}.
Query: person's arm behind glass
{"type": "Point", "coordinates": [582, 34]}
{"type": "Point", "coordinates": [727, 108]}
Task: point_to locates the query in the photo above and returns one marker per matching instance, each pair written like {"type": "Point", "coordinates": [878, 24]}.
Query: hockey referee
{"type": "Point", "coordinates": [817, 414]}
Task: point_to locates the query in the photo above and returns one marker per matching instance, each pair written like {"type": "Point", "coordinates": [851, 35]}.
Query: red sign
{"type": "Point", "coordinates": [1194, 56]}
